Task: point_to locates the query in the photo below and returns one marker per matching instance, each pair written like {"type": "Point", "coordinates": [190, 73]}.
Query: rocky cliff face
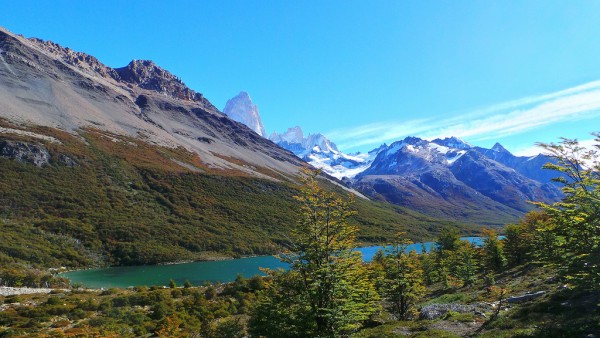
{"type": "Point", "coordinates": [84, 62]}
{"type": "Point", "coordinates": [240, 108]}
{"type": "Point", "coordinates": [146, 74]}
{"type": "Point", "coordinates": [24, 152]}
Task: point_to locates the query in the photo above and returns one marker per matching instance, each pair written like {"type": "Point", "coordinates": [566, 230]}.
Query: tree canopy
{"type": "Point", "coordinates": [326, 292]}
{"type": "Point", "coordinates": [575, 221]}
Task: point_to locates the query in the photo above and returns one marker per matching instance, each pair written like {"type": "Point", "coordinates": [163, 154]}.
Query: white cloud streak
{"type": "Point", "coordinates": [590, 144]}
{"type": "Point", "coordinates": [494, 122]}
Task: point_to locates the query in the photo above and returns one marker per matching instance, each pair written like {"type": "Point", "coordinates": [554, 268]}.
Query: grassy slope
{"type": "Point", "coordinates": [127, 202]}
{"type": "Point", "coordinates": [561, 312]}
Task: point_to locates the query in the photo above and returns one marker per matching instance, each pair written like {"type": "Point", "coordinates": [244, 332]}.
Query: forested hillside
{"type": "Point", "coordinates": [106, 199]}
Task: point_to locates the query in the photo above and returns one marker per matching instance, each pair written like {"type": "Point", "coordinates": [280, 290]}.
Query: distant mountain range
{"type": "Point", "coordinates": [444, 177]}
{"type": "Point", "coordinates": [320, 152]}
{"type": "Point", "coordinates": [450, 178]}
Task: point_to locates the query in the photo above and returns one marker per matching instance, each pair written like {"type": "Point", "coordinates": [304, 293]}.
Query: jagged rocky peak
{"type": "Point", "coordinates": [144, 74]}
{"type": "Point", "coordinates": [453, 142]}
{"type": "Point", "coordinates": [85, 62]}
{"type": "Point", "coordinates": [379, 149]}
{"type": "Point", "coordinates": [398, 145]}
{"type": "Point", "coordinates": [293, 139]}
{"type": "Point", "coordinates": [147, 75]}
{"type": "Point", "coordinates": [292, 135]}
{"type": "Point", "coordinates": [412, 140]}
{"type": "Point", "coordinates": [240, 108]}
{"type": "Point", "coordinates": [499, 148]}
{"type": "Point", "coordinates": [400, 154]}
{"type": "Point", "coordinates": [323, 143]}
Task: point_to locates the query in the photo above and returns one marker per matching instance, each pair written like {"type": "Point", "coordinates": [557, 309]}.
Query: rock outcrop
{"type": "Point", "coordinates": [525, 297]}
{"type": "Point", "coordinates": [435, 311]}
{"type": "Point", "coordinates": [25, 152]}
{"type": "Point", "coordinates": [146, 74]}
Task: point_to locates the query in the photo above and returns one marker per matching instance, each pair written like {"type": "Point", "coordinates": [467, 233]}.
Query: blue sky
{"type": "Point", "coordinates": [361, 72]}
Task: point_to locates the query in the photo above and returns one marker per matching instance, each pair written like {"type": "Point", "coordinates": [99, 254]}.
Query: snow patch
{"type": "Point", "coordinates": [394, 149]}
{"type": "Point", "coordinates": [441, 149]}
{"type": "Point", "coordinates": [456, 157]}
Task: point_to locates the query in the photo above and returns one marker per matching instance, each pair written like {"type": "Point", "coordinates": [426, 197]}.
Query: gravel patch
{"type": "Point", "coordinates": [9, 291]}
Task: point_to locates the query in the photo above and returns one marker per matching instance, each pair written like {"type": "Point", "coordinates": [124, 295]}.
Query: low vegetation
{"type": "Point", "coordinates": [207, 311]}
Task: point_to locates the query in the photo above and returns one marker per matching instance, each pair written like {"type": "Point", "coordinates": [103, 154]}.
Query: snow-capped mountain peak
{"type": "Point", "coordinates": [453, 142]}
{"type": "Point", "coordinates": [499, 148]}
{"type": "Point", "coordinates": [320, 152]}
{"type": "Point", "coordinates": [414, 154]}
{"type": "Point", "coordinates": [378, 149]}
{"type": "Point", "coordinates": [292, 135]}
{"type": "Point", "coordinates": [323, 143]}
{"type": "Point", "coordinates": [240, 108]}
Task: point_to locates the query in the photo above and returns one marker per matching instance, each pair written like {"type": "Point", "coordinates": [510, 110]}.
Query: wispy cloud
{"type": "Point", "coordinates": [493, 122]}
{"type": "Point", "coordinates": [590, 144]}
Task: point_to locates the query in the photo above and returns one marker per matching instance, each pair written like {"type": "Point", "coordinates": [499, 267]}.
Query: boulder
{"type": "Point", "coordinates": [525, 297]}
{"type": "Point", "coordinates": [24, 152]}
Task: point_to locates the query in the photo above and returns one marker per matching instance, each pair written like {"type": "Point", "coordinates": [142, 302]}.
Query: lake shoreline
{"type": "Point", "coordinates": [207, 258]}
{"type": "Point", "coordinates": [220, 270]}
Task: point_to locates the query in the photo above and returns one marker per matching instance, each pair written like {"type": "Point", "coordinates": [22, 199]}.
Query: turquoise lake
{"type": "Point", "coordinates": [199, 272]}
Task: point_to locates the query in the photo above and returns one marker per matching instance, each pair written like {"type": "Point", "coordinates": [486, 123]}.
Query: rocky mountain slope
{"type": "Point", "coordinates": [48, 85]}
{"type": "Point", "coordinates": [454, 179]}
{"type": "Point", "coordinates": [528, 166]}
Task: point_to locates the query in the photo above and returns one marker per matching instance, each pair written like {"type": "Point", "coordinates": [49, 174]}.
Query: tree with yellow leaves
{"type": "Point", "coordinates": [326, 292]}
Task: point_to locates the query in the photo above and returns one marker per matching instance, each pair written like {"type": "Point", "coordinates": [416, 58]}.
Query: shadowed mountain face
{"type": "Point", "coordinates": [44, 84]}
{"type": "Point", "coordinates": [450, 178]}
{"type": "Point", "coordinates": [528, 166]}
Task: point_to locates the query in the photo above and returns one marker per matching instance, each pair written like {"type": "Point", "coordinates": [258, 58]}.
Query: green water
{"type": "Point", "coordinates": [197, 272]}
